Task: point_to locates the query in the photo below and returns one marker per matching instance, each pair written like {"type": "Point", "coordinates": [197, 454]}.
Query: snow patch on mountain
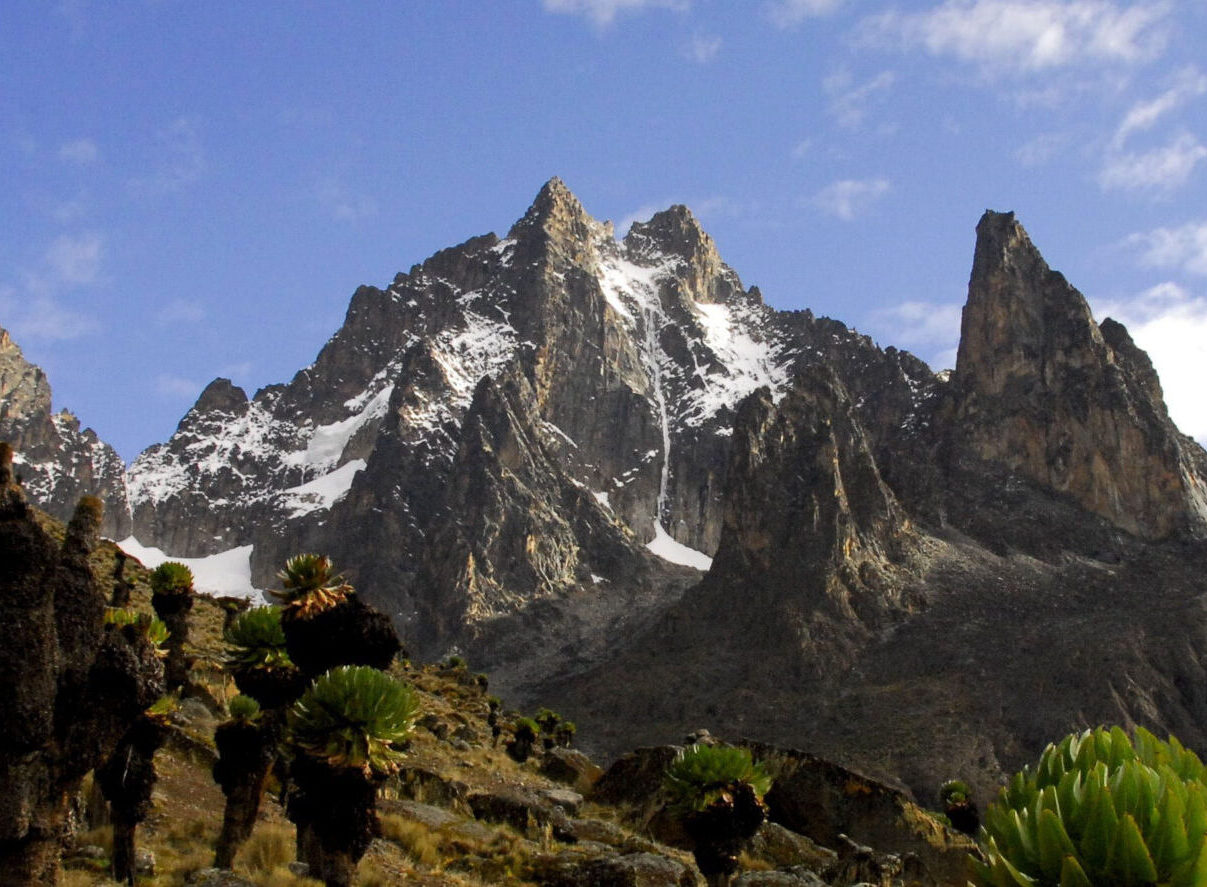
{"type": "Point", "coordinates": [327, 442]}
{"type": "Point", "coordinates": [748, 363]}
{"type": "Point", "coordinates": [668, 549]}
{"type": "Point", "coordinates": [226, 573]}
{"type": "Point", "coordinates": [322, 492]}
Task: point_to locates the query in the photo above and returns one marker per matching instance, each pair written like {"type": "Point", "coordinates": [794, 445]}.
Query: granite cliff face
{"type": "Point", "coordinates": [56, 460]}
{"type": "Point", "coordinates": [1045, 391]}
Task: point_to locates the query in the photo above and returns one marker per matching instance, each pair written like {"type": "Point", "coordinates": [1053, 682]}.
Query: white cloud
{"type": "Point", "coordinates": [849, 198]}
{"type": "Point", "coordinates": [1170, 324]}
{"type": "Point", "coordinates": [1189, 84]}
{"type": "Point", "coordinates": [83, 152]}
{"type": "Point", "coordinates": [179, 159]}
{"type": "Point", "coordinates": [787, 13]}
{"type": "Point", "coordinates": [342, 204]}
{"type": "Point", "coordinates": [801, 149]}
{"type": "Point", "coordinates": [930, 328]}
{"type": "Point", "coordinates": [849, 101]}
{"type": "Point", "coordinates": [1028, 36]}
{"type": "Point", "coordinates": [180, 311]}
{"type": "Point", "coordinates": [176, 386]}
{"type": "Point", "coordinates": [35, 308]}
{"type": "Point", "coordinates": [29, 317]}
{"type": "Point", "coordinates": [1159, 169]}
{"type": "Point", "coordinates": [1166, 248]}
{"type": "Point", "coordinates": [703, 208]}
{"type": "Point", "coordinates": [703, 49]}
{"type": "Point", "coordinates": [75, 261]}
{"type": "Point", "coordinates": [1039, 150]}
{"type": "Point", "coordinates": [604, 12]}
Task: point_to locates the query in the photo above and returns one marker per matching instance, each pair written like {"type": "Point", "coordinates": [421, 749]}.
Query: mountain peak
{"type": "Point", "coordinates": [1053, 396]}
{"type": "Point", "coordinates": [554, 207]}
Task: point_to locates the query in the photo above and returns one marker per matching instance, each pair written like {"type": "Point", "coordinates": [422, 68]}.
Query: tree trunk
{"type": "Point", "coordinates": [246, 751]}
{"type": "Point", "coordinates": [33, 860]}
{"type": "Point", "coordinates": [123, 848]}
{"type": "Point", "coordinates": [239, 818]}
{"type": "Point", "coordinates": [336, 868]}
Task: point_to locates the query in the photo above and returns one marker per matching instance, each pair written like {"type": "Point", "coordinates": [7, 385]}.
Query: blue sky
{"type": "Point", "coordinates": [196, 189]}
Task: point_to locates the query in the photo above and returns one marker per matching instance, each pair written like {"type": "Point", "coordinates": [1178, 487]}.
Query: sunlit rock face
{"type": "Point", "coordinates": [56, 460]}
{"type": "Point", "coordinates": [1074, 406]}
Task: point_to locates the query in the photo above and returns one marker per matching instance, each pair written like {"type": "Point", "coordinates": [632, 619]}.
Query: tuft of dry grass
{"type": "Point", "coordinates": [415, 838]}
{"type": "Point", "coordinates": [272, 846]}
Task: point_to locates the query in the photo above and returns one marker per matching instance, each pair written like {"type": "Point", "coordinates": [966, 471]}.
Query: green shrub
{"type": "Point", "coordinates": [244, 707]}
{"type": "Point", "coordinates": [1100, 809]}
{"type": "Point", "coordinates": [152, 627]}
{"type": "Point", "coordinates": [954, 791]}
{"type": "Point", "coordinates": [701, 774]}
{"type": "Point", "coordinates": [353, 716]}
{"type": "Point", "coordinates": [256, 640]}
{"type": "Point", "coordinates": [526, 729]}
{"type": "Point", "coordinates": [171, 577]}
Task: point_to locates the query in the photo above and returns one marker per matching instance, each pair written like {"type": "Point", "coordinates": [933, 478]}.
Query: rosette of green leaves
{"type": "Point", "coordinates": [702, 775]}
{"type": "Point", "coordinates": [354, 716]}
{"type": "Point", "coordinates": [171, 577]}
{"type": "Point", "coordinates": [256, 640]}
{"type": "Point", "coordinates": [954, 791]}
{"type": "Point", "coordinates": [149, 626]}
{"type": "Point", "coordinates": [244, 708]}
{"type": "Point", "coordinates": [1100, 809]}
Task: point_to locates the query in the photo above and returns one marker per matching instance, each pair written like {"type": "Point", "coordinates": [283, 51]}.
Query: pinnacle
{"type": "Point", "coordinates": [554, 200]}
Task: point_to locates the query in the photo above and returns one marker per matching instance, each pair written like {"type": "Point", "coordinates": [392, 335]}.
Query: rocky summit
{"type": "Point", "coordinates": [608, 473]}
{"type": "Point", "coordinates": [56, 460]}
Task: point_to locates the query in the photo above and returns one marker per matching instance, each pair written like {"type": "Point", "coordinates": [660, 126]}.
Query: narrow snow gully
{"type": "Point", "coordinates": [653, 324]}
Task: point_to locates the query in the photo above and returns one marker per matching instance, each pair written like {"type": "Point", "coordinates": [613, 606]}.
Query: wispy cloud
{"type": "Point", "coordinates": [604, 12]}
{"type": "Point", "coordinates": [928, 328]}
{"type": "Point", "coordinates": [1189, 84]}
{"type": "Point", "coordinates": [703, 48]}
{"type": "Point", "coordinates": [180, 311]}
{"type": "Point", "coordinates": [36, 307]}
{"type": "Point", "coordinates": [82, 152]}
{"type": "Point", "coordinates": [341, 203]}
{"type": "Point", "coordinates": [802, 149]}
{"type": "Point", "coordinates": [179, 159]}
{"type": "Point", "coordinates": [176, 387]}
{"type": "Point", "coordinates": [1027, 36]}
{"type": "Point", "coordinates": [36, 316]}
{"type": "Point", "coordinates": [1160, 170]}
{"type": "Point", "coordinates": [849, 101]}
{"type": "Point", "coordinates": [1041, 149]}
{"type": "Point", "coordinates": [75, 260]}
{"type": "Point", "coordinates": [1183, 248]}
{"type": "Point", "coordinates": [703, 208]}
{"type": "Point", "coordinates": [789, 13]}
{"type": "Point", "coordinates": [1170, 323]}
{"type": "Point", "coordinates": [850, 198]}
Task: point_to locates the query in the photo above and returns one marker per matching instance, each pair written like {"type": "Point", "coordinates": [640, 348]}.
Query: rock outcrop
{"type": "Point", "coordinates": [56, 460]}
{"type": "Point", "coordinates": [70, 685]}
{"type": "Point", "coordinates": [1041, 389]}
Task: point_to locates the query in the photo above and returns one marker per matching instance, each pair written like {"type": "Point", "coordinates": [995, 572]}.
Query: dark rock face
{"type": "Point", "coordinates": [56, 460]}
{"type": "Point", "coordinates": [70, 686]}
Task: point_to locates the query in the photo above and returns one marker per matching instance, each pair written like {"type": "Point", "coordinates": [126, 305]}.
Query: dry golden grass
{"type": "Point", "coordinates": [415, 838]}
{"type": "Point", "coordinates": [271, 846]}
